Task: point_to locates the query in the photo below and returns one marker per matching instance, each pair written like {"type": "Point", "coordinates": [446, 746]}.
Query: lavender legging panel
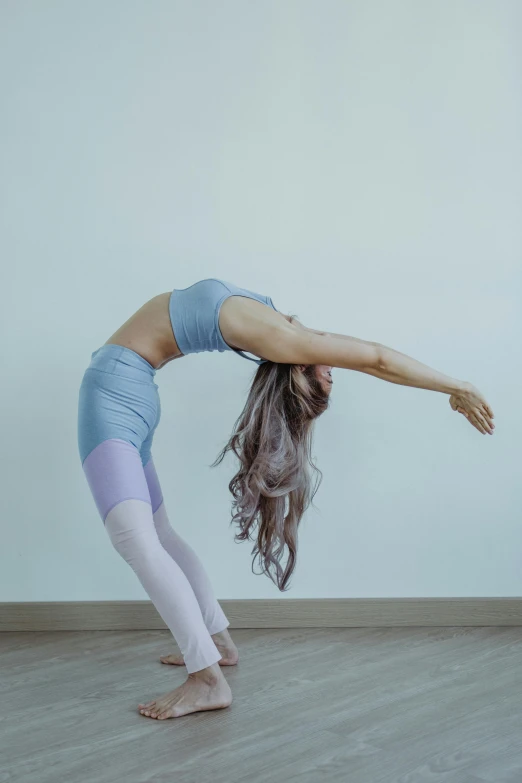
{"type": "Point", "coordinates": [114, 472]}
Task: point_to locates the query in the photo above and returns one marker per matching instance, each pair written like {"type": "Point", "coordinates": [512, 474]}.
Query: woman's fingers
{"type": "Point", "coordinates": [473, 420]}
{"type": "Point", "coordinates": [476, 420]}
{"type": "Point", "coordinates": [480, 416]}
{"type": "Point", "coordinates": [475, 402]}
{"type": "Point", "coordinates": [484, 411]}
{"type": "Point", "coordinates": [486, 422]}
{"type": "Point", "coordinates": [481, 423]}
{"type": "Point", "coordinates": [488, 410]}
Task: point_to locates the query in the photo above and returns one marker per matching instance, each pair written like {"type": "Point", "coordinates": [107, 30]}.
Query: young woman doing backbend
{"type": "Point", "coordinates": [119, 410]}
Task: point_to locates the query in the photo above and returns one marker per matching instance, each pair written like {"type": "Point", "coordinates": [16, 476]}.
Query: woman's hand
{"type": "Point", "coordinates": [470, 402]}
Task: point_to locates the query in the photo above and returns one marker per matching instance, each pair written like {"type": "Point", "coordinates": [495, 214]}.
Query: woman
{"type": "Point", "coordinates": [119, 410]}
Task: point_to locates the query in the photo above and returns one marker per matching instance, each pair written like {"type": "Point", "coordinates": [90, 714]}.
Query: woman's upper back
{"type": "Point", "coordinates": [194, 315]}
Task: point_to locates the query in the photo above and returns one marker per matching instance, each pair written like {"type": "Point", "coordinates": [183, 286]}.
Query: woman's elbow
{"type": "Point", "coordinates": [300, 347]}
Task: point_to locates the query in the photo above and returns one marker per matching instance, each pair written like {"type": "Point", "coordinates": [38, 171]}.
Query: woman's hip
{"type": "Point", "coordinates": [114, 405]}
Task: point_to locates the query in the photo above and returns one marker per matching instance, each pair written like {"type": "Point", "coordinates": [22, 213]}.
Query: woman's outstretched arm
{"type": "Point", "coordinates": [256, 328]}
{"type": "Point", "coordinates": [310, 346]}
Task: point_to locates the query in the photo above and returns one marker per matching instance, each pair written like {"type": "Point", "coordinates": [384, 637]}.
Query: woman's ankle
{"type": "Point", "coordinates": [210, 674]}
{"type": "Point", "coordinates": [222, 636]}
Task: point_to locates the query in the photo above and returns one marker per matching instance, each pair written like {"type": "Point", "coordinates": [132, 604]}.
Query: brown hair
{"type": "Point", "coordinates": [272, 438]}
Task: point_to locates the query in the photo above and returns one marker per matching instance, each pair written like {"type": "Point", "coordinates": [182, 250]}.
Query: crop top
{"type": "Point", "coordinates": [194, 315]}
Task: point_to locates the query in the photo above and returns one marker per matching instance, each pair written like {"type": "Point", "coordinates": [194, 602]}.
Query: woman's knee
{"type": "Point", "coordinates": [130, 527]}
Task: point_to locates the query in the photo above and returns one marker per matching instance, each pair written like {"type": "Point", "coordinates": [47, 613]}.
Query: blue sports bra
{"type": "Point", "coordinates": [194, 315]}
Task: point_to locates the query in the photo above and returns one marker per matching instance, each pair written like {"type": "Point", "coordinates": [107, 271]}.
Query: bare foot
{"type": "Point", "coordinates": [203, 690]}
{"type": "Point", "coordinates": [225, 645]}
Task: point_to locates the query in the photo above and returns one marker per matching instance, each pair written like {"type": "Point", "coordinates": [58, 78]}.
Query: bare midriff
{"type": "Point", "coordinates": [149, 332]}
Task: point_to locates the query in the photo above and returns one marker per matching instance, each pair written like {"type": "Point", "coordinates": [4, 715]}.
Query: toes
{"type": "Point", "coordinates": [148, 707]}
{"type": "Point", "coordinates": [172, 659]}
{"type": "Point", "coordinates": [166, 714]}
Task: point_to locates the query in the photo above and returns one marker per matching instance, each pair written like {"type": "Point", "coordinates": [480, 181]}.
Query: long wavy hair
{"type": "Point", "coordinates": [272, 438]}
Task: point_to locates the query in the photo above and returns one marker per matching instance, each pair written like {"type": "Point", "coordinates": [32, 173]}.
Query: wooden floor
{"type": "Point", "coordinates": [358, 705]}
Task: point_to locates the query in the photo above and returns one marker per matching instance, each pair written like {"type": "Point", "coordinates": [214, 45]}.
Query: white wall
{"type": "Point", "coordinates": [361, 163]}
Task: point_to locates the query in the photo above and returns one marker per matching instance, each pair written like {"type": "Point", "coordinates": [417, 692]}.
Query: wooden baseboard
{"type": "Point", "coordinates": [268, 613]}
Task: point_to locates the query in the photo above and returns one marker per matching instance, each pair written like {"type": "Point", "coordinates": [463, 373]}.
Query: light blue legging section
{"type": "Point", "coordinates": [118, 412]}
{"type": "Point", "coordinates": [118, 399]}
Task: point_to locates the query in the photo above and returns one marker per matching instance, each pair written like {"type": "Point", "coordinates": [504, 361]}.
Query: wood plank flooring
{"type": "Point", "coordinates": [350, 705]}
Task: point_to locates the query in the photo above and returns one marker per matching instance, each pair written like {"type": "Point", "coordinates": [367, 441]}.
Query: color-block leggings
{"type": "Point", "coordinates": [118, 412]}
